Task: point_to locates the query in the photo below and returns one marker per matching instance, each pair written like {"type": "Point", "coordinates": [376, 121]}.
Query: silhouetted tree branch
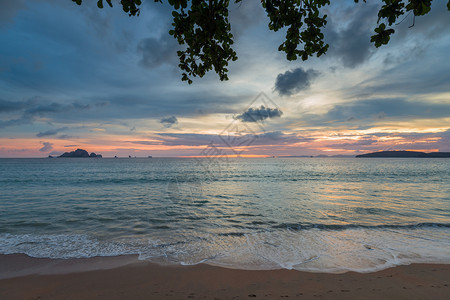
{"type": "Point", "coordinates": [203, 26]}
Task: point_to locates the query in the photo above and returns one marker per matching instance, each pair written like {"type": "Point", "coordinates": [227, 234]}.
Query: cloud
{"type": "Point", "coordinates": [351, 43]}
{"type": "Point", "coordinates": [55, 153]}
{"type": "Point", "coordinates": [14, 122]}
{"type": "Point", "coordinates": [169, 121]}
{"type": "Point", "coordinates": [66, 137]}
{"type": "Point", "coordinates": [244, 16]}
{"type": "Point", "coordinates": [9, 10]}
{"type": "Point", "coordinates": [28, 111]}
{"type": "Point", "coordinates": [50, 132]}
{"type": "Point", "coordinates": [183, 139]}
{"type": "Point", "coordinates": [146, 142]}
{"type": "Point", "coordinates": [194, 139]}
{"type": "Point", "coordinates": [259, 114]}
{"type": "Point", "coordinates": [43, 109]}
{"type": "Point", "coordinates": [444, 142]}
{"type": "Point", "coordinates": [187, 139]}
{"type": "Point", "coordinates": [360, 144]}
{"type": "Point", "coordinates": [138, 86]}
{"type": "Point", "coordinates": [157, 51]}
{"type": "Point", "coordinates": [388, 108]}
{"type": "Point", "coordinates": [279, 138]}
{"type": "Point", "coordinates": [118, 107]}
{"type": "Point", "coordinates": [9, 106]}
{"type": "Point", "coordinates": [407, 79]}
{"type": "Point", "coordinates": [373, 111]}
{"type": "Point", "coordinates": [430, 26]}
{"type": "Point", "coordinates": [292, 82]}
{"type": "Point", "coordinates": [47, 147]}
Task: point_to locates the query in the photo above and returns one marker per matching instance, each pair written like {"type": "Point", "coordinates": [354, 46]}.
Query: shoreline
{"type": "Point", "coordinates": [124, 277]}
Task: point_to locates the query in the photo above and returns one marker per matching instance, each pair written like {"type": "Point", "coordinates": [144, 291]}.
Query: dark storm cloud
{"type": "Point", "coordinates": [360, 144]}
{"type": "Point", "coordinates": [132, 92]}
{"type": "Point", "coordinates": [373, 110]}
{"type": "Point", "coordinates": [245, 15]}
{"type": "Point", "coordinates": [383, 108]}
{"type": "Point", "coordinates": [292, 82]}
{"type": "Point", "coordinates": [190, 103]}
{"type": "Point", "coordinates": [38, 107]}
{"type": "Point", "coordinates": [444, 142]}
{"type": "Point", "coordinates": [169, 121]}
{"type": "Point", "coordinates": [403, 141]}
{"type": "Point", "coordinates": [9, 9]}
{"type": "Point", "coordinates": [439, 140]}
{"type": "Point", "coordinates": [259, 114]}
{"type": "Point", "coordinates": [32, 63]}
{"type": "Point", "coordinates": [180, 139]}
{"type": "Point", "coordinates": [16, 111]}
{"type": "Point", "coordinates": [50, 132]}
{"type": "Point", "coordinates": [155, 52]}
{"type": "Point", "coordinates": [28, 111]}
{"type": "Point", "coordinates": [407, 80]}
{"type": "Point", "coordinates": [193, 139]}
{"type": "Point", "coordinates": [69, 71]}
{"type": "Point", "coordinates": [47, 147]}
{"type": "Point", "coordinates": [14, 122]}
{"type": "Point", "coordinates": [431, 26]}
{"type": "Point", "coordinates": [279, 138]}
{"type": "Point", "coordinates": [352, 43]}
{"type": "Point", "coordinates": [188, 139]}
{"type": "Point", "coordinates": [9, 106]}
{"type": "Point", "coordinates": [44, 109]}
{"type": "Point", "coordinates": [146, 142]}
{"type": "Point", "coordinates": [65, 137]}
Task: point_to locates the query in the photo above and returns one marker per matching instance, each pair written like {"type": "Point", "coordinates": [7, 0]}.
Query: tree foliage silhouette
{"type": "Point", "coordinates": [204, 28]}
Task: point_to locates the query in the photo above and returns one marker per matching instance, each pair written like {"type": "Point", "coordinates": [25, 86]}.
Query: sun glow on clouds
{"type": "Point", "coordinates": [353, 100]}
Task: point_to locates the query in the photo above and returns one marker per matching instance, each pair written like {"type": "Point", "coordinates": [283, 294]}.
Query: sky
{"type": "Point", "coordinates": [80, 77]}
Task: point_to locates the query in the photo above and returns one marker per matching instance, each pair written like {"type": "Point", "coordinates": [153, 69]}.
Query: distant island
{"type": "Point", "coordinates": [80, 153]}
{"type": "Point", "coordinates": [406, 154]}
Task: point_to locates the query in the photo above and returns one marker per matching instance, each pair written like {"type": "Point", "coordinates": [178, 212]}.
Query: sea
{"type": "Point", "coordinates": [310, 214]}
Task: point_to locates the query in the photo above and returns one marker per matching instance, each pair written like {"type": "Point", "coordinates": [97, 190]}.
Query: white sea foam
{"type": "Point", "coordinates": [60, 246]}
{"type": "Point", "coordinates": [329, 215]}
{"type": "Point", "coordinates": [316, 250]}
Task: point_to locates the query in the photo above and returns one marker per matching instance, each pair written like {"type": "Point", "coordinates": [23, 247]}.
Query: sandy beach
{"type": "Point", "coordinates": [126, 278]}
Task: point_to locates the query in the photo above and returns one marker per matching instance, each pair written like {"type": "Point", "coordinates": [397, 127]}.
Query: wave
{"type": "Point", "coordinates": [324, 248]}
{"type": "Point", "coordinates": [307, 226]}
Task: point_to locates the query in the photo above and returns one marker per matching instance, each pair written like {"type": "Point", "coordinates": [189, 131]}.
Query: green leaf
{"type": "Point", "coordinates": [203, 29]}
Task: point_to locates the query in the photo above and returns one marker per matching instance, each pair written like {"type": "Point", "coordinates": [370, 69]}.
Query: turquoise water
{"type": "Point", "coordinates": [317, 214]}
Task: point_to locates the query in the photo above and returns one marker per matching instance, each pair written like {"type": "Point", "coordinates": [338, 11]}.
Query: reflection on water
{"type": "Point", "coordinates": [308, 213]}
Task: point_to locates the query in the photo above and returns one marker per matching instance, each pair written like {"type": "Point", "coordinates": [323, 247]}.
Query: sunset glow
{"type": "Point", "coordinates": [94, 86]}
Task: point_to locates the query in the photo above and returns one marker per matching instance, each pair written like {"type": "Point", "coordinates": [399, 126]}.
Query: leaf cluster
{"type": "Point", "coordinates": [131, 7]}
{"type": "Point", "coordinates": [304, 23]}
{"type": "Point", "coordinates": [203, 27]}
{"type": "Point", "coordinates": [391, 11]}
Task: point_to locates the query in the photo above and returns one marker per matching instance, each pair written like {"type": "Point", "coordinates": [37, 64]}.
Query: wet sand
{"type": "Point", "coordinates": [126, 278]}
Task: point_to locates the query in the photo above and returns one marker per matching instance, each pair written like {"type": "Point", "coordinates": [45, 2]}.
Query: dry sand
{"type": "Point", "coordinates": [125, 278]}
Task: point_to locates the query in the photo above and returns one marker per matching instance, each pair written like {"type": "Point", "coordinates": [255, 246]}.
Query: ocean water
{"type": "Point", "coordinates": [313, 214]}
